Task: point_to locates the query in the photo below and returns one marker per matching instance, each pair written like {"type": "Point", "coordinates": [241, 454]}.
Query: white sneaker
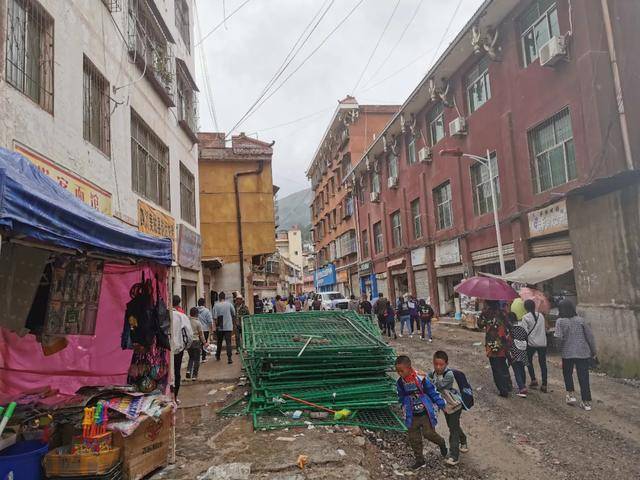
{"type": "Point", "coordinates": [571, 400]}
{"type": "Point", "coordinates": [586, 406]}
{"type": "Point", "coordinates": [450, 461]}
{"type": "Point", "coordinates": [430, 340]}
{"type": "Point", "coordinates": [410, 336]}
{"type": "Point", "coordinates": [400, 335]}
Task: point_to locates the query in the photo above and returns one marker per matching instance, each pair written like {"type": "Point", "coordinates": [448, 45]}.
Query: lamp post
{"type": "Point", "coordinates": [485, 161]}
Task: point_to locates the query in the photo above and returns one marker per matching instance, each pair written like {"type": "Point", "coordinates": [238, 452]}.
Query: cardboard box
{"type": "Point", "coordinates": [147, 449]}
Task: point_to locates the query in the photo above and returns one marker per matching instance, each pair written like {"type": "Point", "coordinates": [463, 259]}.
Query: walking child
{"type": "Point", "coordinates": [417, 396]}
{"type": "Point", "coordinates": [518, 353]}
{"type": "Point", "coordinates": [443, 379]}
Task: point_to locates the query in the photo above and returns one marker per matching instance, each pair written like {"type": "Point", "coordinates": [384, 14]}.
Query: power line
{"type": "Point", "coordinates": [205, 72]}
{"type": "Point", "coordinates": [293, 52]}
{"type": "Point", "coordinates": [324, 40]}
{"type": "Point", "coordinates": [453, 16]}
{"type": "Point", "coordinates": [291, 122]}
{"type": "Point", "coordinates": [221, 23]}
{"type": "Point", "coordinates": [393, 49]}
{"type": "Point", "coordinates": [400, 70]}
{"type": "Point", "coordinates": [375, 48]}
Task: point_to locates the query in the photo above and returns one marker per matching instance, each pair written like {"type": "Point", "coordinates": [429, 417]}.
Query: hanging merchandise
{"type": "Point", "coordinates": [162, 322]}
{"type": "Point", "coordinates": [149, 368]}
{"type": "Point", "coordinates": [20, 273]}
{"type": "Point", "coordinates": [138, 322]}
{"type": "Point", "coordinates": [73, 297]}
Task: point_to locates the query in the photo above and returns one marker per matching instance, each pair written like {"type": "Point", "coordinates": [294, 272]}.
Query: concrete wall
{"type": "Point", "coordinates": [295, 245]}
{"type": "Point", "coordinates": [605, 234]}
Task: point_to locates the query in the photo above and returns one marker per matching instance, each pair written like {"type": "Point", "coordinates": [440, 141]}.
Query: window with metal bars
{"type": "Point", "coordinates": [112, 5]}
{"type": "Point", "coordinates": [365, 243]}
{"type": "Point", "coordinates": [552, 149]}
{"type": "Point", "coordinates": [182, 22]}
{"type": "Point", "coordinates": [417, 219]}
{"type": "Point", "coordinates": [187, 103]}
{"type": "Point", "coordinates": [435, 120]}
{"type": "Point", "coordinates": [396, 229]}
{"type": "Point", "coordinates": [478, 85]}
{"type": "Point", "coordinates": [149, 164]}
{"type": "Point", "coordinates": [537, 24]}
{"type": "Point", "coordinates": [378, 241]}
{"type": "Point", "coordinates": [443, 206]}
{"type": "Point", "coordinates": [29, 51]}
{"type": "Point", "coordinates": [481, 186]}
{"type": "Point", "coordinates": [187, 195]}
{"type": "Point", "coordinates": [96, 113]}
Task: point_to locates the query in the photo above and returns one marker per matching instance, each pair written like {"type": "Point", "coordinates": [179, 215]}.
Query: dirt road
{"type": "Point", "coordinates": [539, 437]}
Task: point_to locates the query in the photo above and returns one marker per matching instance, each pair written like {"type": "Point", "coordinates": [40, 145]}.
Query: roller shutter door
{"type": "Point", "coordinates": [546, 247]}
{"type": "Point", "coordinates": [382, 287]}
{"type": "Point", "coordinates": [355, 285]}
{"type": "Point", "coordinates": [421, 278]}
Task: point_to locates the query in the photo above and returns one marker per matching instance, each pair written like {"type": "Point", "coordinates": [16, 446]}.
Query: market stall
{"type": "Point", "coordinates": [84, 358]}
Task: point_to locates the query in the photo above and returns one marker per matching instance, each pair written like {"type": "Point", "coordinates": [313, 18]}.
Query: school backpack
{"type": "Point", "coordinates": [466, 392]}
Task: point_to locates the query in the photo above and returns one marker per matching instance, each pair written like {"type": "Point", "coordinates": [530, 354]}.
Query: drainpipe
{"type": "Point", "coordinates": [617, 83]}
{"type": "Point", "coordinates": [236, 177]}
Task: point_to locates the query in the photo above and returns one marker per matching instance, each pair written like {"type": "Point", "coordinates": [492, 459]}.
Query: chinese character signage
{"type": "Point", "coordinates": [82, 189]}
{"type": "Point", "coordinates": [326, 276]}
{"type": "Point", "coordinates": [189, 246]}
{"type": "Point", "coordinates": [154, 222]}
{"type": "Point", "coordinates": [548, 220]}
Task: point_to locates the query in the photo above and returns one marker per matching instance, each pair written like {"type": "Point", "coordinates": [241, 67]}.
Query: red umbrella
{"type": "Point", "coordinates": [541, 301]}
{"type": "Point", "coordinates": [487, 288]}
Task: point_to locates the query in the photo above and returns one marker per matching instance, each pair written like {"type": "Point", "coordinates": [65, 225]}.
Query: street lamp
{"type": "Point", "coordinates": [486, 161]}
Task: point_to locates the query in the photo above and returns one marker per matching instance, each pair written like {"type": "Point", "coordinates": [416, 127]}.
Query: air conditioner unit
{"type": "Point", "coordinates": [458, 127]}
{"type": "Point", "coordinates": [553, 51]}
{"type": "Point", "coordinates": [375, 197]}
{"type": "Point", "coordinates": [424, 154]}
{"type": "Point", "coordinates": [392, 182]}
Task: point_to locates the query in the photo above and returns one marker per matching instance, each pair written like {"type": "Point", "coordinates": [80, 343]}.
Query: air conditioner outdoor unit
{"type": "Point", "coordinates": [375, 197]}
{"type": "Point", "coordinates": [458, 127]}
{"type": "Point", "coordinates": [424, 154]}
{"type": "Point", "coordinates": [392, 182]}
{"type": "Point", "coordinates": [553, 51]}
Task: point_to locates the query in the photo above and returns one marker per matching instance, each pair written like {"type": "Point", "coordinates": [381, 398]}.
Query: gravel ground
{"type": "Point", "coordinates": [513, 438]}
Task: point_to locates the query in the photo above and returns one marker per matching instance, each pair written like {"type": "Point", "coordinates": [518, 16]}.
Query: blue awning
{"type": "Point", "coordinates": [35, 206]}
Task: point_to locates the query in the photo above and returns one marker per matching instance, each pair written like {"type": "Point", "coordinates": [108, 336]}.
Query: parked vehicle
{"type": "Point", "coordinates": [334, 301]}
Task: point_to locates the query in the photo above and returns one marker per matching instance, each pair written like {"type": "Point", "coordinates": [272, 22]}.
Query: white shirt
{"type": "Point", "coordinates": [537, 331]}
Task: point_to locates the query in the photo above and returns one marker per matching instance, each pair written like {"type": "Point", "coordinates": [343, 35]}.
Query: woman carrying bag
{"type": "Point", "coordinates": [578, 349]}
{"type": "Point", "coordinates": [535, 326]}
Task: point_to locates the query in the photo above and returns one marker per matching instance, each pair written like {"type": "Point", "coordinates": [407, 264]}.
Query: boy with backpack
{"type": "Point", "coordinates": [443, 379]}
{"type": "Point", "coordinates": [417, 396]}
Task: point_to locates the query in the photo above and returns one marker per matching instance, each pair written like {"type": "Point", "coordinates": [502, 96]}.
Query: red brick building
{"type": "Point", "coordinates": [425, 220]}
{"type": "Point", "coordinates": [351, 130]}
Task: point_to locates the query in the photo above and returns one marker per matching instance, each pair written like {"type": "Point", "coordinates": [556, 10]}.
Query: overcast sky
{"type": "Point", "coordinates": [243, 55]}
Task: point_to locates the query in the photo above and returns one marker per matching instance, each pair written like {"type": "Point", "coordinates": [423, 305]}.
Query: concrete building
{"type": "Point", "coordinates": [100, 96]}
{"type": "Point", "coordinates": [350, 130]}
{"type": "Point", "coordinates": [237, 203]}
{"type": "Point", "coordinates": [545, 89]}
{"type": "Point", "coordinates": [289, 244]}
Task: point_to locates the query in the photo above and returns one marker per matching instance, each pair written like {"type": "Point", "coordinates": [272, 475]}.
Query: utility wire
{"type": "Point", "coordinates": [375, 48]}
{"type": "Point", "coordinates": [393, 49]}
{"type": "Point", "coordinates": [292, 122]}
{"type": "Point", "coordinates": [223, 22]}
{"type": "Point", "coordinates": [324, 40]}
{"type": "Point", "coordinates": [205, 71]}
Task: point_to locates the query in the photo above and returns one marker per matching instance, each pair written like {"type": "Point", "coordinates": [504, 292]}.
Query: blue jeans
{"type": "Point", "coordinates": [518, 371]}
{"type": "Point", "coordinates": [426, 323]}
{"type": "Point", "coordinates": [405, 319]}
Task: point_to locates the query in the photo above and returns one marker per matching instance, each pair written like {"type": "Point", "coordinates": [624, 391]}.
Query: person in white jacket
{"type": "Point", "coordinates": [181, 335]}
{"type": "Point", "coordinates": [534, 324]}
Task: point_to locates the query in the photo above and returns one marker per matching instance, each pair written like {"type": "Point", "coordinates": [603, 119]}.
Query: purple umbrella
{"type": "Point", "coordinates": [487, 288]}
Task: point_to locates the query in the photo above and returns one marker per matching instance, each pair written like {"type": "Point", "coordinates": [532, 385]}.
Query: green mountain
{"type": "Point", "coordinates": [294, 210]}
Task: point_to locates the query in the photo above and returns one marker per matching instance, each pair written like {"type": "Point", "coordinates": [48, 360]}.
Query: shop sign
{"type": "Point", "coordinates": [448, 252]}
{"type": "Point", "coordinates": [419, 256]}
{"type": "Point", "coordinates": [308, 278]}
{"type": "Point", "coordinates": [365, 268]}
{"type": "Point", "coordinates": [398, 262]}
{"type": "Point", "coordinates": [79, 187]}
{"type": "Point", "coordinates": [326, 276]}
{"type": "Point", "coordinates": [343, 276]}
{"type": "Point", "coordinates": [548, 220]}
{"type": "Point", "coordinates": [154, 222]}
{"type": "Point", "coordinates": [189, 248]}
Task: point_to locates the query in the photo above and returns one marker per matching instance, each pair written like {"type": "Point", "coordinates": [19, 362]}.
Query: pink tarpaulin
{"type": "Point", "coordinates": [87, 360]}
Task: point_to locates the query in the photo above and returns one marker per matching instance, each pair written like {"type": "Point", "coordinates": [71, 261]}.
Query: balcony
{"type": "Point", "coordinates": [151, 50]}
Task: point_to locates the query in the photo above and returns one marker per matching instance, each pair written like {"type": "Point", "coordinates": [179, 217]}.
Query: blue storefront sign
{"type": "Point", "coordinates": [325, 277]}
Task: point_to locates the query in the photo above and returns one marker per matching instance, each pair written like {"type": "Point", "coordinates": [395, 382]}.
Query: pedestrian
{"type": "Point", "coordinates": [206, 320]}
{"type": "Point", "coordinates": [414, 320]}
{"type": "Point", "coordinates": [309, 303]}
{"type": "Point", "coordinates": [353, 303]}
{"type": "Point", "coordinates": [223, 314]}
{"type": "Point", "coordinates": [390, 321]}
{"type": "Point", "coordinates": [402, 307]}
{"type": "Point", "coordinates": [578, 349]}
{"type": "Point", "coordinates": [298, 304]}
{"type": "Point", "coordinates": [417, 396]}
{"type": "Point", "coordinates": [291, 305]}
{"type": "Point", "coordinates": [280, 305]}
{"type": "Point", "coordinates": [317, 303]}
{"type": "Point", "coordinates": [198, 343]}
{"type": "Point", "coordinates": [241, 311]}
{"type": "Point", "coordinates": [258, 305]}
{"type": "Point", "coordinates": [365, 307]}
{"type": "Point", "coordinates": [181, 335]}
{"type": "Point", "coordinates": [380, 309]}
{"type": "Point", "coordinates": [426, 313]}
{"type": "Point", "coordinates": [443, 379]}
{"type": "Point", "coordinates": [518, 357]}
{"type": "Point", "coordinates": [497, 342]}
{"type": "Point", "coordinates": [535, 326]}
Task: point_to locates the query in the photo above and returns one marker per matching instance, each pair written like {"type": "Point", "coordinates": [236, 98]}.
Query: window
{"type": "Point", "coordinates": [537, 25]}
{"type": "Point", "coordinates": [378, 243]}
{"type": "Point", "coordinates": [478, 87]}
{"type": "Point", "coordinates": [411, 148]}
{"type": "Point", "coordinates": [187, 195]}
{"type": "Point", "coordinates": [149, 164]}
{"type": "Point", "coordinates": [481, 186]}
{"type": "Point", "coordinates": [442, 200]}
{"type": "Point", "coordinates": [396, 229]}
{"type": "Point", "coordinates": [29, 51]}
{"type": "Point", "coordinates": [365, 243]}
{"type": "Point", "coordinates": [392, 164]}
{"type": "Point", "coordinates": [375, 182]}
{"type": "Point", "coordinates": [95, 108]}
{"type": "Point", "coordinates": [182, 22]}
{"type": "Point", "coordinates": [187, 103]}
{"type": "Point", "coordinates": [348, 243]}
{"type": "Point", "coordinates": [361, 191]}
{"type": "Point", "coordinates": [417, 218]}
{"type": "Point", "coordinates": [435, 120]}
{"type": "Point", "coordinates": [551, 143]}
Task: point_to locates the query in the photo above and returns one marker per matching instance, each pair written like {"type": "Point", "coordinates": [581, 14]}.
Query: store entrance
{"type": "Point", "coordinates": [447, 294]}
{"type": "Point", "coordinates": [401, 284]}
